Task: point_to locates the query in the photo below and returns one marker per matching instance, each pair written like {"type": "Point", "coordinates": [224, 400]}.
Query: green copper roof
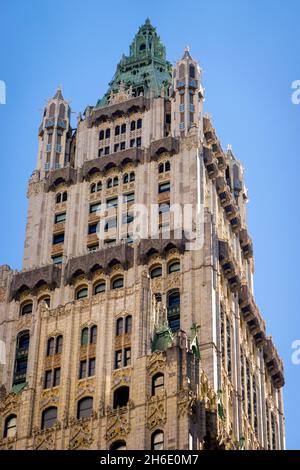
{"type": "Point", "coordinates": [145, 69]}
{"type": "Point", "coordinates": [17, 388]}
{"type": "Point", "coordinates": [163, 338]}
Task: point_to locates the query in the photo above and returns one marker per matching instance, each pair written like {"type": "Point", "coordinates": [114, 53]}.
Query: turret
{"type": "Point", "coordinates": [54, 134]}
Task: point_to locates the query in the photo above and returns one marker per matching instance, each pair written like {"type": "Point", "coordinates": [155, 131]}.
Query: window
{"type": "Point", "coordinates": [128, 324]}
{"type": "Point", "coordinates": [132, 143]}
{"type": "Point", "coordinates": [93, 335]}
{"type": "Point", "coordinates": [85, 407]}
{"type": "Point", "coordinates": [125, 178]}
{"type": "Point", "coordinates": [118, 445]}
{"type": "Point", "coordinates": [157, 384]}
{"type": "Point", "coordinates": [132, 126]}
{"type": "Point", "coordinates": [115, 181]}
{"type": "Point", "coordinates": [161, 168]}
{"type": "Point", "coordinates": [22, 347]}
{"type": "Point", "coordinates": [84, 336]}
{"type": "Point", "coordinates": [118, 359]}
{"type": "Point", "coordinates": [10, 426]}
{"type": "Point", "coordinates": [123, 128]}
{"type": "Point", "coordinates": [92, 228]}
{"type": "Point", "coordinates": [128, 218]}
{"type": "Point", "coordinates": [156, 272]}
{"type": "Point", "coordinates": [92, 367]}
{"type": "Point", "coordinates": [111, 223]}
{"type": "Point", "coordinates": [59, 344]}
{"type": "Point", "coordinates": [100, 152]}
{"type": "Point", "coordinates": [192, 71]}
{"type": "Point", "coordinates": [117, 130]}
{"type": "Point", "coordinates": [157, 440]}
{"type": "Point", "coordinates": [107, 133]}
{"type": "Point", "coordinates": [139, 124]}
{"type": "Point", "coordinates": [44, 299]}
{"type": "Point", "coordinates": [59, 238]}
{"type": "Point", "coordinates": [50, 347]}
{"type": "Point", "coordinates": [58, 198]}
{"type": "Point", "coordinates": [174, 267]}
{"type": "Point", "coordinates": [164, 187]}
{"type": "Point", "coordinates": [167, 166]}
{"type": "Point", "coordinates": [81, 293]}
{"type": "Point", "coordinates": [112, 202]}
{"type": "Point", "coordinates": [132, 176]}
{"type": "Point", "coordinates": [58, 259]}
{"type": "Point", "coordinates": [164, 208]}
{"type": "Point", "coordinates": [101, 135]}
{"type": "Point", "coordinates": [129, 197]}
{"type": "Point", "coordinates": [119, 327]}
{"type": "Point", "coordinates": [23, 341]}
{"type": "Point", "coordinates": [60, 218]}
{"type": "Point", "coordinates": [95, 207]}
{"type": "Point", "coordinates": [127, 357]}
{"type": "Point", "coordinates": [26, 309]}
{"type": "Point", "coordinates": [48, 379]}
{"type": "Point", "coordinates": [56, 377]}
{"type": "Point", "coordinates": [118, 283]}
{"type": "Point", "coordinates": [82, 369]}
{"type": "Point", "coordinates": [139, 142]}
{"type": "Point", "coordinates": [106, 151]}
{"type": "Point", "coordinates": [49, 417]}
{"type": "Point", "coordinates": [109, 183]}
{"type": "Point", "coordinates": [116, 147]}
{"type": "Point", "coordinates": [122, 145]}
{"type": "Point", "coordinates": [174, 311]}
{"type": "Point", "coordinates": [100, 287]}
{"type": "Point", "coordinates": [121, 397]}
{"type": "Point", "coordinates": [64, 196]}
{"type": "Point", "coordinates": [93, 247]}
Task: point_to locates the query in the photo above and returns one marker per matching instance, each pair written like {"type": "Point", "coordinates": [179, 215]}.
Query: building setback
{"type": "Point", "coordinates": [137, 343]}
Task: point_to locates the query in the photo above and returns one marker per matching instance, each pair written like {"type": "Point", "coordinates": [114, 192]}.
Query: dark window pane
{"type": "Point", "coordinates": [48, 379]}
{"type": "Point", "coordinates": [92, 367]}
{"type": "Point", "coordinates": [85, 408]}
{"type": "Point", "coordinates": [56, 379]}
{"type": "Point", "coordinates": [49, 417]}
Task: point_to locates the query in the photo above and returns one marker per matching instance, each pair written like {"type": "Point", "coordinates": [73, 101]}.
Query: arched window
{"type": "Point", "coordinates": [125, 178]}
{"type": "Point", "coordinates": [58, 198]}
{"type": "Point", "coordinates": [99, 287]}
{"type": "Point", "coordinates": [101, 135]}
{"type": "Point", "coordinates": [109, 183]}
{"type": "Point", "coordinates": [93, 335]}
{"type": "Point", "coordinates": [118, 445]}
{"type": "Point", "coordinates": [142, 47]}
{"type": "Point", "coordinates": [192, 71]}
{"type": "Point", "coordinates": [139, 124]}
{"type": "Point", "coordinates": [115, 181]}
{"type": "Point", "coordinates": [50, 347]}
{"type": "Point", "coordinates": [181, 71]}
{"type": "Point", "coordinates": [167, 166]}
{"type": "Point", "coordinates": [93, 188]}
{"type": "Point", "coordinates": [132, 126]}
{"type": "Point", "coordinates": [81, 293]}
{"type": "Point", "coordinates": [161, 168]}
{"type": "Point", "coordinates": [121, 397]}
{"type": "Point", "coordinates": [59, 344]}
{"type": "Point", "coordinates": [173, 267]}
{"type": "Point", "coordinates": [157, 384]}
{"type": "Point", "coordinates": [10, 426]}
{"type": "Point", "coordinates": [132, 176]}
{"type": "Point", "coordinates": [85, 407]}
{"type": "Point", "coordinates": [107, 133]}
{"type": "Point", "coordinates": [49, 417]}
{"type": "Point", "coordinates": [123, 128]}
{"type": "Point", "coordinates": [119, 327]}
{"type": "Point", "coordinates": [64, 196]}
{"type": "Point", "coordinates": [62, 111]}
{"type": "Point", "coordinates": [26, 308]}
{"type": "Point", "coordinates": [84, 336]}
{"type": "Point", "coordinates": [99, 186]}
{"type": "Point", "coordinates": [117, 130]}
{"type": "Point", "coordinates": [157, 440]}
{"type": "Point", "coordinates": [52, 110]}
{"type": "Point", "coordinates": [128, 324]}
{"type": "Point", "coordinates": [45, 299]}
{"type": "Point", "coordinates": [174, 310]}
{"type": "Point", "coordinates": [118, 283]}
{"type": "Point", "coordinates": [156, 272]}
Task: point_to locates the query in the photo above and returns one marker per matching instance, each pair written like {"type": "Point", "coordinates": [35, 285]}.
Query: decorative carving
{"type": "Point", "coordinates": [156, 411]}
{"type": "Point", "coordinates": [186, 401]}
{"type": "Point", "coordinates": [49, 397]}
{"type": "Point", "coordinates": [24, 322]}
{"type": "Point", "coordinates": [118, 423]}
{"type": "Point", "coordinates": [86, 386]}
{"type": "Point", "coordinates": [156, 362]}
{"type": "Point", "coordinates": [121, 95]}
{"type": "Point", "coordinates": [121, 377]}
{"type": "Point", "coordinates": [81, 435]}
{"type": "Point", "coordinates": [10, 404]}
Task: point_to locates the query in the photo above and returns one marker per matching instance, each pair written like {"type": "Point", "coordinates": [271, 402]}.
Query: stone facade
{"type": "Point", "coordinates": [137, 343]}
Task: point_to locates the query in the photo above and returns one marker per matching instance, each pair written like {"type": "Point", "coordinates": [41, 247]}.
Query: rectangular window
{"type": "Point", "coordinates": [59, 238]}
{"type": "Point", "coordinates": [138, 141]}
{"type": "Point", "coordinates": [164, 187]}
{"type": "Point", "coordinates": [127, 357]}
{"type": "Point", "coordinates": [106, 151]}
{"type": "Point", "coordinates": [113, 202]}
{"type": "Point", "coordinates": [93, 247]}
{"type": "Point", "coordinates": [128, 218]}
{"type": "Point", "coordinates": [163, 208]}
{"type": "Point", "coordinates": [48, 376]}
{"type": "Point", "coordinates": [92, 229]}
{"type": "Point", "coordinates": [57, 259]}
{"type": "Point", "coordinates": [92, 367]}
{"type": "Point", "coordinates": [132, 142]}
{"type": "Point", "coordinates": [116, 147]}
{"type": "Point", "coordinates": [123, 145]}
{"type": "Point", "coordinates": [100, 152]}
{"type": "Point", "coordinates": [110, 241]}
{"type": "Point", "coordinates": [60, 218]}
{"type": "Point", "coordinates": [95, 207]}
{"type": "Point", "coordinates": [128, 197]}
{"type": "Point", "coordinates": [82, 369]}
{"type": "Point", "coordinates": [111, 223]}
{"type": "Point", "coordinates": [56, 378]}
{"type": "Point", "coordinates": [118, 359]}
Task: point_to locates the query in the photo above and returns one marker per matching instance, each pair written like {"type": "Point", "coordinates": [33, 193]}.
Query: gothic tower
{"type": "Point", "coordinates": [133, 324]}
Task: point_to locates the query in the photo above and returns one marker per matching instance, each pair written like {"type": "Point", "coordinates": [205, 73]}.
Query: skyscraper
{"type": "Point", "coordinates": [132, 324]}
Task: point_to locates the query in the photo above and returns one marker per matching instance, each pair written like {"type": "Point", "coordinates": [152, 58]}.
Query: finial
{"type": "Point", "coordinates": [187, 54]}
{"type": "Point", "coordinates": [58, 95]}
{"type": "Point", "coordinates": [229, 147]}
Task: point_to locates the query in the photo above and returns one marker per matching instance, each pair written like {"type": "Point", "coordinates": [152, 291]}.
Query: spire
{"type": "Point", "coordinates": [186, 54]}
{"type": "Point", "coordinates": [58, 95]}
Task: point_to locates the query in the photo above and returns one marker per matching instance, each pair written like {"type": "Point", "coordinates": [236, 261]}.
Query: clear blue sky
{"type": "Point", "coordinates": [248, 51]}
